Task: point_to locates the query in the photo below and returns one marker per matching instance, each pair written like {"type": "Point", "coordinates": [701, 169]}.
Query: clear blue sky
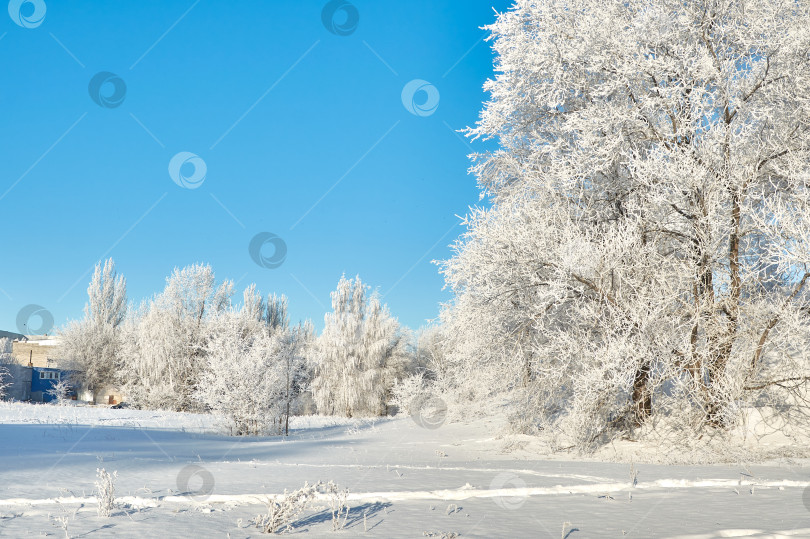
{"type": "Point", "coordinates": [303, 132]}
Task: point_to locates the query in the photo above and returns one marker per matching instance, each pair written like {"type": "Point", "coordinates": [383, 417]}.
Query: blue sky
{"type": "Point", "coordinates": [303, 132]}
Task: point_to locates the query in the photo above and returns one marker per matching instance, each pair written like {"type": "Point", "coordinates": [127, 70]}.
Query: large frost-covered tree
{"type": "Point", "coordinates": [647, 246]}
{"type": "Point", "coordinates": [90, 348]}
{"type": "Point", "coordinates": [359, 354]}
{"type": "Point", "coordinates": [164, 341]}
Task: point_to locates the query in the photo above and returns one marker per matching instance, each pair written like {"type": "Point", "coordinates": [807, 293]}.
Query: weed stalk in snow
{"type": "Point", "coordinates": [337, 505]}
{"type": "Point", "coordinates": [105, 488]}
{"type": "Point", "coordinates": [283, 512]}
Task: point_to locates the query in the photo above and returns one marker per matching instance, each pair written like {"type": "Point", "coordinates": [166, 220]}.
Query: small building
{"type": "Point", "coordinates": [44, 380]}
{"type": "Point", "coordinates": [36, 369]}
{"type": "Point", "coordinates": [40, 355]}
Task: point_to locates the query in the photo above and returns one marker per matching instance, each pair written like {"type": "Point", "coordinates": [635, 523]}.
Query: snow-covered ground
{"type": "Point", "coordinates": [179, 477]}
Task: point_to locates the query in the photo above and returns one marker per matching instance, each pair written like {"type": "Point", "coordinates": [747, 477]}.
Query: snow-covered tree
{"type": "Point", "coordinates": [297, 344]}
{"type": "Point", "coordinates": [241, 378]}
{"type": "Point", "coordinates": [276, 317]}
{"type": "Point", "coordinates": [90, 348]}
{"type": "Point", "coordinates": [430, 350]}
{"type": "Point", "coordinates": [61, 391]}
{"type": "Point", "coordinates": [358, 355]}
{"type": "Point", "coordinates": [5, 359]}
{"type": "Point", "coordinates": [252, 368]}
{"type": "Point", "coordinates": [252, 304]}
{"type": "Point", "coordinates": [5, 381]}
{"type": "Point", "coordinates": [299, 396]}
{"type": "Point", "coordinates": [647, 245]}
{"type": "Point", "coordinates": [107, 295]}
{"type": "Point", "coordinates": [165, 339]}
{"type": "Point", "coordinates": [6, 348]}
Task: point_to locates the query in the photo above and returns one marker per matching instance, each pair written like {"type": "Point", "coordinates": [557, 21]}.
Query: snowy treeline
{"type": "Point", "coordinates": [190, 347]}
{"type": "Point", "coordinates": [647, 246]}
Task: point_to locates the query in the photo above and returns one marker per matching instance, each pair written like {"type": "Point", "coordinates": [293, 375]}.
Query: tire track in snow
{"type": "Point", "coordinates": [464, 493]}
{"type": "Point", "coordinates": [516, 471]}
{"type": "Point", "coordinates": [759, 534]}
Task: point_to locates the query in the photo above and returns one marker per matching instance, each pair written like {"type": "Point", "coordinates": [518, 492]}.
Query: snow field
{"type": "Point", "coordinates": [177, 477]}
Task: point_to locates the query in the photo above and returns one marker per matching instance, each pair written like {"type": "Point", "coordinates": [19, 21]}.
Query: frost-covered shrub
{"type": "Point", "coordinates": [105, 491]}
{"type": "Point", "coordinates": [338, 505]}
{"type": "Point", "coordinates": [405, 392]}
{"type": "Point", "coordinates": [283, 511]}
{"type": "Point", "coordinates": [61, 391]}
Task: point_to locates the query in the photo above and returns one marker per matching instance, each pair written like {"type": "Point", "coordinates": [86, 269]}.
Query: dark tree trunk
{"type": "Point", "coordinates": [642, 396]}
